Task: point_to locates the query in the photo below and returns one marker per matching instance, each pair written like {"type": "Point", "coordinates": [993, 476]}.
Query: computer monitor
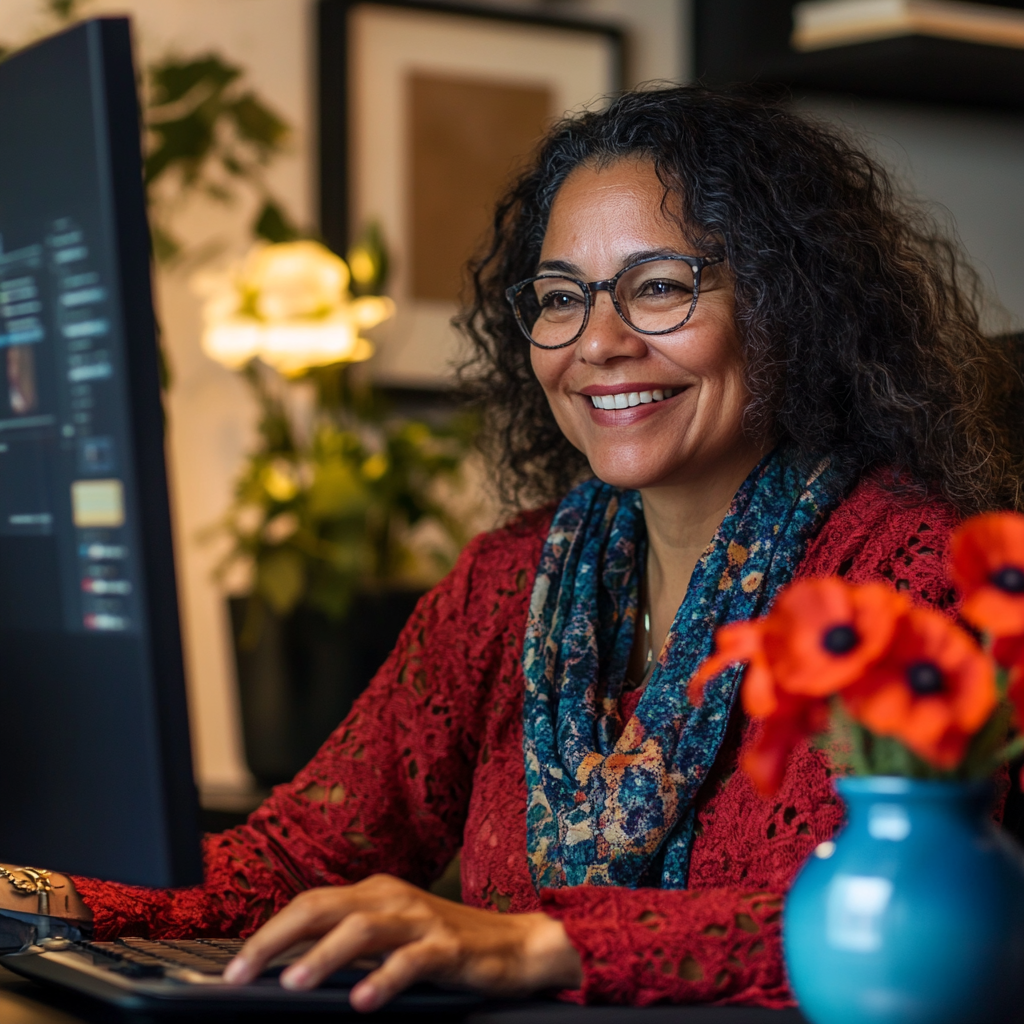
{"type": "Point", "coordinates": [95, 764]}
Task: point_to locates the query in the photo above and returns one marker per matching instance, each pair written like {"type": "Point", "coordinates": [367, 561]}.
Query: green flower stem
{"type": "Point", "coordinates": [1010, 752]}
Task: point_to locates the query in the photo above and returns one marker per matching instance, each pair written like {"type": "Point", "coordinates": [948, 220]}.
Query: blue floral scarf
{"type": "Point", "coordinates": [612, 803]}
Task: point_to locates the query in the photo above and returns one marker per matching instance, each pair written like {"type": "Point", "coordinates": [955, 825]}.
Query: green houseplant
{"type": "Point", "coordinates": [337, 514]}
{"type": "Point", "coordinates": [207, 133]}
{"type": "Point", "coordinates": [326, 514]}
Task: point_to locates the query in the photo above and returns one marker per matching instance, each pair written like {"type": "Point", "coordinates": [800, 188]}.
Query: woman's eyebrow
{"type": "Point", "coordinates": [558, 266]}
{"type": "Point", "coordinates": [647, 254]}
{"type": "Point", "coordinates": [564, 267]}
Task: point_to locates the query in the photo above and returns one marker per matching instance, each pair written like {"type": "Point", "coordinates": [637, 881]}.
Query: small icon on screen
{"type": "Point", "coordinates": [96, 455]}
{"type": "Point", "coordinates": [22, 392]}
{"type": "Point", "coordinates": [97, 503]}
{"type": "Point", "coordinates": [105, 622]}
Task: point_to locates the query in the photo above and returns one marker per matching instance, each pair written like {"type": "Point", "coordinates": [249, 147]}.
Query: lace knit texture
{"type": "Point", "coordinates": [431, 759]}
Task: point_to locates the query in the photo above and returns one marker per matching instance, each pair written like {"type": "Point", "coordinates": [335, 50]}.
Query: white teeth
{"type": "Point", "coordinates": [628, 399]}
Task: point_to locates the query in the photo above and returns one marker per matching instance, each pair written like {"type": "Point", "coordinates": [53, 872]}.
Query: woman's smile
{"type": "Point", "coordinates": [619, 406]}
{"type": "Point", "coordinates": [628, 396]}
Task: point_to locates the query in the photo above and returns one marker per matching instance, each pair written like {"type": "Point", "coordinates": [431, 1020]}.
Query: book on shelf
{"type": "Point", "coordinates": [822, 24]}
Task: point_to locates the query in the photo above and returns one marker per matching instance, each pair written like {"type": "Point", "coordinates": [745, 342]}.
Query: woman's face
{"type": "Point", "coordinates": [601, 221]}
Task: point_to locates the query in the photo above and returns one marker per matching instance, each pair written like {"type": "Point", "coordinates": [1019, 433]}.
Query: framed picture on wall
{"type": "Point", "coordinates": [426, 111]}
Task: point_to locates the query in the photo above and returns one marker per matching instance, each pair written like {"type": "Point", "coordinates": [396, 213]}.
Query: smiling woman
{"type": "Point", "coordinates": [712, 339]}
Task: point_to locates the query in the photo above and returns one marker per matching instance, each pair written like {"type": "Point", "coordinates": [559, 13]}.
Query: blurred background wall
{"type": "Point", "coordinates": [970, 162]}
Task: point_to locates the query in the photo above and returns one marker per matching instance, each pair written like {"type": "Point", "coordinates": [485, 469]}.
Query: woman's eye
{"type": "Point", "coordinates": [559, 300]}
{"type": "Point", "coordinates": [660, 287]}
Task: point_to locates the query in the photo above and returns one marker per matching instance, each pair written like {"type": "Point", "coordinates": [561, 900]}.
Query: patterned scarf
{"type": "Point", "coordinates": [612, 803]}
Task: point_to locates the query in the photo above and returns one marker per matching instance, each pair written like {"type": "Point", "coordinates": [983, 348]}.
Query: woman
{"type": "Point", "coordinates": [721, 320]}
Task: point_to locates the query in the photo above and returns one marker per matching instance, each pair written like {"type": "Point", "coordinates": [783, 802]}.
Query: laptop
{"type": "Point", "coordinates": [88, 608]}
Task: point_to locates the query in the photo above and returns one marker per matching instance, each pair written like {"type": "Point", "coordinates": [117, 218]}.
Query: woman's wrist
{"type": "Point", "coordinates": [551, 960]}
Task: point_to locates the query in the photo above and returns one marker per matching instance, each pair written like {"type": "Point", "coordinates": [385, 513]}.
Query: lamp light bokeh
{"type": "Point", "coordinates": [289, 305]}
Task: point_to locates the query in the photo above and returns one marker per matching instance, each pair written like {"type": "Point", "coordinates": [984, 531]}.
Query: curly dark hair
{"type": "Point", "coordinates": [859, 318]}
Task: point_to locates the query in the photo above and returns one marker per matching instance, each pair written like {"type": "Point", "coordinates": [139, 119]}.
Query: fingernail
{"type": "Point", "coordinates": [235, 971]}
{"type": "Point", "coordinates": [363, 996]}
{"type": "Point", "coordinates": [297, 976]}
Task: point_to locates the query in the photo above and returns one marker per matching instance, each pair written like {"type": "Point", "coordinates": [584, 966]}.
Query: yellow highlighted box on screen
{"type": "Point", "coordinates": [97, 503]}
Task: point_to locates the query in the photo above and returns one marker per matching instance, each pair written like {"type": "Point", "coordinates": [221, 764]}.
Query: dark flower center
{"type": "Point", "coordinates": [840, 640]}
{"type": "Point", "coordinates": [1009, 578]}
{"type": "Point", "coordinates": [924, 677]}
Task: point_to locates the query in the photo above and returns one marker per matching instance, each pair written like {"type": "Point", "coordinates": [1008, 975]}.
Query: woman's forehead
{"type": "Point", "coordinates": [620, 206]}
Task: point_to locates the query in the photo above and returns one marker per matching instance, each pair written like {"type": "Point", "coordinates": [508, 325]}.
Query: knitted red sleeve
{"type": "Point", "coordinates": [388, 790]}
{"type": "Point", "coordinates": [720, 940]}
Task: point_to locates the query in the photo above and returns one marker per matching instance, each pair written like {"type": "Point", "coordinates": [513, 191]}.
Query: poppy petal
{"type": "Point", "coordinates": [984, 544]}
{"type": "Point", "coordinates": [765, 761]}
{"type": "Point", "coordinates": [994, 611]}
{"type": "Point", "coordinates": [881, 703]}
{"type": "Point", "coordinates": [735, 642]}
{"type": "Point", "coordinates": [1008, 651]}
{"type": "Point", "coordinates": [758, 693]}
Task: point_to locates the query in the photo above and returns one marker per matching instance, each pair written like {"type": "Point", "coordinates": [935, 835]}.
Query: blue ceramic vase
{"type": "Point", "coordinates": [914, 914]}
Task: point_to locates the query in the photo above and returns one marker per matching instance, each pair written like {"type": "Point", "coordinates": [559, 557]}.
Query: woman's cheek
{"type": "Point", "coordinates": [548, 368]}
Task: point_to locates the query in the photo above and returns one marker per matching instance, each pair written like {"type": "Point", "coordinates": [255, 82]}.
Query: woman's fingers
{"type": "Point", "coordinates": [425, 937]}
{"type": "Point", "coordinates": [361, 933]}
{"type": "Point", "coordinates": [309, 915]}
{"type": "Point", "coordinates": [407, 965]}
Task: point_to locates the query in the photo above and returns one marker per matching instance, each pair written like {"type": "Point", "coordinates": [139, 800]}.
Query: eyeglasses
{"type": "Point", "coordinates": [656, 295]}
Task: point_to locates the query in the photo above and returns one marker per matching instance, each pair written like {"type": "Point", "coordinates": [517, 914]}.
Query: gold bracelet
{"type": "Point", "coordinates": [36, 880]}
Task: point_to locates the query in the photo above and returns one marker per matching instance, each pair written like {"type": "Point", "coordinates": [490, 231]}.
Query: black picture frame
{"type": "Point", "coordinates": [332, 80]}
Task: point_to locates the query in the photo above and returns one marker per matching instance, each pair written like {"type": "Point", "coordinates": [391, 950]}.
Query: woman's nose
{"type": "Point", "coordinates": [607, 335]}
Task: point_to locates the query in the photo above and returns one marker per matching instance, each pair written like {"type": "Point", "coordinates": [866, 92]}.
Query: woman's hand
{"type": "Point", "coordinates": [425, 936]}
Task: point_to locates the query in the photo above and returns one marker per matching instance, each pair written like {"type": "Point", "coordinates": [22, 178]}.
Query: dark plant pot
{"type": "Point", "coordinates": [300, 679]}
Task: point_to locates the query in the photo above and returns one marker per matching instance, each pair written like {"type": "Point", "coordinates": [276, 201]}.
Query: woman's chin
{"type": "Point", "coordinates": [632, 477]}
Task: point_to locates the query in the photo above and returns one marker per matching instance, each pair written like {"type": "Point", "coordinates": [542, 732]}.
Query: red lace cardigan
{"type": "Point", "coordinates": [430, 760]}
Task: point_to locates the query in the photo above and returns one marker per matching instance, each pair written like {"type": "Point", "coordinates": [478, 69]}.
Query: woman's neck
{"type": "Point", "coordinates": [682, 519]}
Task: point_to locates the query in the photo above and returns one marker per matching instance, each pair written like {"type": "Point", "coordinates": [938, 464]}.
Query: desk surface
{"type": "Point", "coordinates": [24, 1002]}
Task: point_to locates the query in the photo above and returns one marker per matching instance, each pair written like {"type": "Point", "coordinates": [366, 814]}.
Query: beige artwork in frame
{"type": "Point", "coordinates": [441, 106]}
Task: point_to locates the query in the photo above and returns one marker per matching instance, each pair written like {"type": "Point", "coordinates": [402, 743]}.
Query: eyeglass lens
{"type": "Point", "coordinates": [652, 297]}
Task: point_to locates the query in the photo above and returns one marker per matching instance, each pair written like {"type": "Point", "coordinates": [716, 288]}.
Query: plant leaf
{"type": "Point", "coordinates": [281, 579]}
{"type": "Point", "coordinates": [257, 123]}
{"type": "Point", "coordinates": [273, 224]}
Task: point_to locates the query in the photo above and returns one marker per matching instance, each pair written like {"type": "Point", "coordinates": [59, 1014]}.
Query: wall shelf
{"type": "Point", "coordinates": [742, 41]}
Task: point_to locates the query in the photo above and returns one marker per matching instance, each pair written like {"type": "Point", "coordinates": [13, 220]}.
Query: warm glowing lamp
{"type": "Point", "coordinates": [288, 304]}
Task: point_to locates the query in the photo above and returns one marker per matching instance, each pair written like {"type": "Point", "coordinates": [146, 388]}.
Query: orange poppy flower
{"type": "Point", "coordinates": [933, 689]}
{"type": "Point", "coordinates": [795, 717]}
{"type": "Point", "coordinates": [823, 634]}
{"type": "Point", "coordinates": [787, 719]}
{"type": "Point", "coordinates": [988, 567]}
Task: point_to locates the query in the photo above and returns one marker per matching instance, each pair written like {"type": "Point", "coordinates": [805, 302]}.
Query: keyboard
{"type": "Point", "coordinates": [149, 958]}
{"type": "Point", "coordinates": [158, 974]}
